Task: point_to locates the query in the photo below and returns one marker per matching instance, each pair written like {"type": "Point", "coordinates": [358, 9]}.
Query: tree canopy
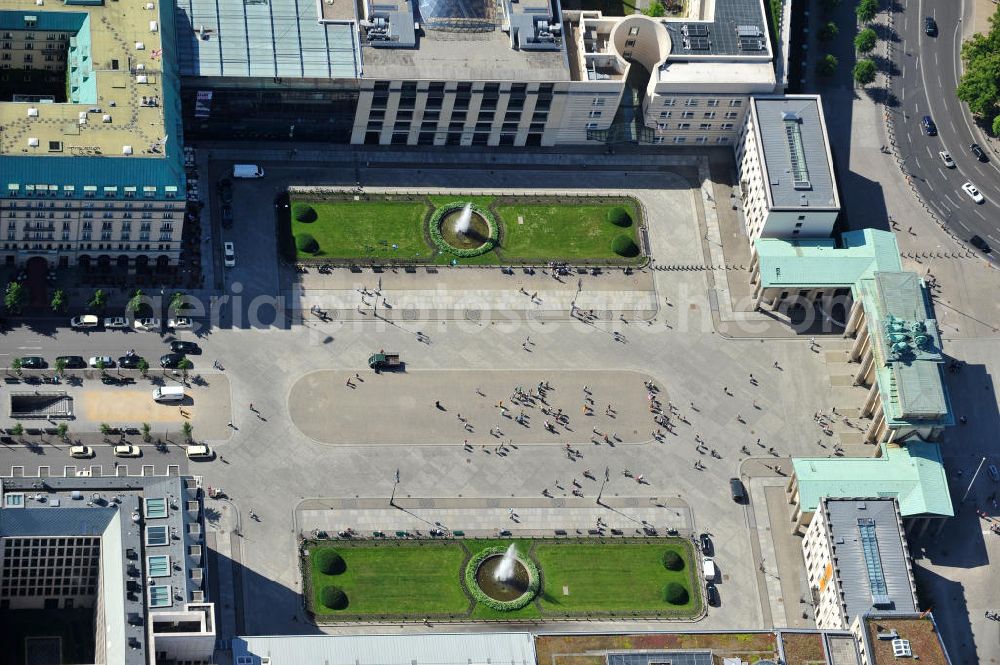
{"type": "Point", "coordinates": [979, 86]}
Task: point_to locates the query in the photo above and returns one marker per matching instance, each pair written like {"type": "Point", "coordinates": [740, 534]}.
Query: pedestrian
{"type": "Point", "coordinates": [251, 406]}
{"type": "Point", "coordinates": [776, 364]}
{"type": "Point", "coordinates": [751, 377]}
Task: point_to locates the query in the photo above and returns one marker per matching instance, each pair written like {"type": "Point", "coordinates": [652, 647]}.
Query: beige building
{"type": "Point", "coordinates": [91, 166]}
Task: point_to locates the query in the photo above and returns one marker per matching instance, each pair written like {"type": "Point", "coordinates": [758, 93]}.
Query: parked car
{"type": "Point", "coordinates": [979, 152]}
{"type": "Point", "coordinates": [116, 323]}
{"type": "Point", "coordinates": [930, 26]}
{"type": "Point", "coordinates": [707, 548]}
{"type": "Point", "coordinates": [712, 595]}
{"type": "Point", "coordinates": [129, 361]}
{"type": "Point", "coordinates": [127, 450]}
{"type": "Point", "coordinates": [171, 360]}
{"type": "Point", "coordinates": [229, 255]}
{"type": "Point", "coordinates": [973, 193]}
{"type": "Point", "coordinates": [930, 129]}
{"type": "Point", "coordinates": [737, 490]}
{"type": "Point", "coordinates": [148, 324]}
{"type": "Point", "coordinates": [708, 568]}
{"type": "Point", "coordinates": [980, 244]}
{"type": "Point", "coordinates": [994, 472]}
{"type": "Point", "coordinates": [226, 191]}
{"type": "Point", "coordinates": [85, 321]}
{"type": "Point", "coordinates": [946, 158]}
{"type": "Point", "coordinates": [179, 323]}
{"type": "Point", "coordinates": [81, 451]}
{"type": "Point", "coordinates": [184, 347]}
{"type": "Point", "coordinates": [199, 451]}
{"type": "Point", "coordinates": [226, 211]}
{"type": "Point", "coordinates": [73, 362]}
{"type": "Point", "coordinates": [33, 362]}
{"type": "Point", "coordinates": [107, 361]}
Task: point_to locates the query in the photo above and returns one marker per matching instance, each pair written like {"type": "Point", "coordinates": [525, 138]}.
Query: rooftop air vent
{"type": "Point", "coordinates": [126, 150]}
{"type": "Point", "coordinates": [32, 142]}
{"type": "Point", "coordinates": [139, 46]}
{"type": "Point", "coordinates": [153, 26]}
{"type": "Point", "coordinates": [32, 112]}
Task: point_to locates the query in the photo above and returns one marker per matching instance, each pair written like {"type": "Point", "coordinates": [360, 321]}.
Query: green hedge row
{"type": "Point", "coordinates": [534, 581]}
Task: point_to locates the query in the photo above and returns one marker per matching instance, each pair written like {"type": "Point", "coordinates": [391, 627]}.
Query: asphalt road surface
{"type": "Point", "coordinates": [925, 83]}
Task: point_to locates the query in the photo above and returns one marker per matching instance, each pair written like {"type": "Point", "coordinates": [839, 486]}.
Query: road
{"type": "Point", "coordinates": [925, 83]}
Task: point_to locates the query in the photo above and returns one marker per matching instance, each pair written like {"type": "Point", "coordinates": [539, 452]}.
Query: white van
{"type": "Point", "coordinates": [85, 321]}
{"type": "Point", "coordinates": [199, 451]}
{"type": "Point", "coordinates": [247, 171]}
{"type": "Point", "coordinates": [708, 568]}
{"type": "Point", "coordinates": [169, 394]}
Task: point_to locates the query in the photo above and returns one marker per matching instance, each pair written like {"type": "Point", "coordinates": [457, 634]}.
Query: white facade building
{"type": "Point", "coordinates": [785, 167]}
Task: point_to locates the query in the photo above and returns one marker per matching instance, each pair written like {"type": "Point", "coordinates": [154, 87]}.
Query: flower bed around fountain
{"type": "Point", "coordinates": [481, 238]}
{"type": "Point", "coordinates": [481, 558]}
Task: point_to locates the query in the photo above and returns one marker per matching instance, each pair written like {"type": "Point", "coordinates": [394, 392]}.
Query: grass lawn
{"type": "Point", "coordinates": [411, 580]}
{"type": "Point", "coordinates": [616, 577]}
{"type": "Point", "coordinates": [369, 229]}
{"type": "Point", "coordinates": [396, 579]}
{"type": "Point", "coordinates": [562, 231]}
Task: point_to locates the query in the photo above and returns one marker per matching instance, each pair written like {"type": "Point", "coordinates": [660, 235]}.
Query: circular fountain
{"type": "Point", "coordinates": [501, 579]}
{"type": "Point", "coordinates": [463, 229]}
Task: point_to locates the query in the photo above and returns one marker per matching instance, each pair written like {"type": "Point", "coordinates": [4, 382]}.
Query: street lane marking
{"type": "Point", "coordinates": [962, 224]}
{"type": "Point", "coordinates": [30, 348]}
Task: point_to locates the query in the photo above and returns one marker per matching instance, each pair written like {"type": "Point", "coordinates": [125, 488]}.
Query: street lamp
{"type": "Point", "coordinates": [607, 476]}
{"type": "Point", "coordinates": [392, 498]}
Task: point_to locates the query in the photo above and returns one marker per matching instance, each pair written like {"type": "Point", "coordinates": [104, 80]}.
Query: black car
{"type": "Point", "coordinates": [737, 490]}
{"type": "Point", "coordinates": [980, 244]}
{"type": "Point", "coordinates": [130, 361]}
{"type": "Point", "coordinates": [171, 360]}
{"type": "Point", "coordinates": [712, 595]}
{"type": "Point", "coordinates": [33, 362]}
{"type": "Point", "coordinates": [227, 215]}
{"type": "Point", "coordinates": [978, 152]}
{"type": "Point", "coordinates": [73, 362]}
{"type": "Point", "coordinates": [707, 548]}
{"type": "Point", "coordinates": [226, 191]}
{"type": "Point", "coordinates": [930, 129]}
{"type": "Point", "coordinates": [184, 347]}
{"type": "Point", "coordinates": [930, 26]}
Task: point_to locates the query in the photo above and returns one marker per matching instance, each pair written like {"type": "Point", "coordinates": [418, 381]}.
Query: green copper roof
{"type": "Point", "coordinates": [819, 262]}
{"type": "Point", "coordinates": [913, 474]}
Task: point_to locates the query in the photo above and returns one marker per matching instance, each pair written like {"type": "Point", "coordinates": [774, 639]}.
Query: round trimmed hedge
{"type": "Point", "coordinates": [619, 217]}
{"type": "Point", "coordinates": [625, 246]}
{"type": "Point", "coordinates": [675, 594]}
{"type": "Point", "coordinates": [329, 562]}
{"type": "Point", "coordinates": [303, 212]}
{"type": "Point", "coordinates": [534, 582]}
{"type": "Point", "coordinates": [434, 228]}
{"type": "Point", "coordinates": [306, 243]}
{"type": "Point", "coordinates": [334, 597]}
{"type": "Point", "coordinates": [672, 560]}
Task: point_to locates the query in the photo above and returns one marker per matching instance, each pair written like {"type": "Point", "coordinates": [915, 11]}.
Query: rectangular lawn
{"type": "Point", "coordinates": [367, 229]}
{"type": "Point", "coordinates": [389, 579]}
{"type": "Point", "coordinates": [562, 231]}
{"type": "Point", "coordinates": [615, 577]}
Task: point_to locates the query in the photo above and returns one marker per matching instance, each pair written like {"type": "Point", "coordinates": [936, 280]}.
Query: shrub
{"type": "Point", "coordinates": [865, 40]}
{"type": "Point", "coordinates": [619, 217]}
{"type": "Point", "coordinates": [334, 597]}
{"type": "Point", "coordinates": [866, 10]}
{"type": "Point", "coordinates": [864, 71]}
{"type": "Point", "coordinates": [306, 243]}
{"type": "Point", "coordinates": [434, 228]}
{"type": "Point", "coordinates": [827, 65]}
{"type": "Point", "coordinates": [625, 246]}
{"type": "Point", "coordinates": [329, 562]}
{"type": "Point", "coordinates": [996, 126]}
{"type": "Point", "coordinates": [480, 596]}
{"type": "Point", "coordinates": [654, 9]}
{"type": "Point", "coordinates": [672, 560]}
{"type": "Point", "coordinates": [303, 212]}
{"type": "Point", "coordinates": [675, 594]}
{"type": "Point", "coordinates": [829, 31]}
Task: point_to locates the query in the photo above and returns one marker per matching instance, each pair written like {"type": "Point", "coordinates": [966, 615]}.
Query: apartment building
{"type": "Point", "coordinates": [857, 560]}
{"type": "Point", "coordinates": [91, 166]}
{"type": "Point", "coordinates": [120, 557]}
{"type": "Point", "coordinates": [787, 185]}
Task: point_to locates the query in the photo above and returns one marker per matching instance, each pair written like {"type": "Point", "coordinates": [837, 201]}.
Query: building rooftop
{"type": "Point", "coordinates": [912, 474]}
{"type": "Point", "coordinates": [797, 163]}
{"type": "Point", "coordinates": [920, 632]}
{"type": "Point", "coordinates": [819, 262]}
{"type": "Point", "coordinates": [120, 123]}
{"type": "Point", "coordinates": [147, 525]}
{"type": "Point", "coordinates": [871, 560]}
{"type": "Point", "coordinates": [728, 27]}
{"type": "Point", "coordinates": [281, 38]}
{"type": "Point", "coordinates": [429, 649]}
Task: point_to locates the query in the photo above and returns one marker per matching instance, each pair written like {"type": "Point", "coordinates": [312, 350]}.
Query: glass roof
{"type": "Point", "coordinates": [459, 15]}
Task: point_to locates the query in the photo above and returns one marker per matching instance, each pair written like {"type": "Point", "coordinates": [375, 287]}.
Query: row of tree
{"type": "Point", "coordinates": [979, 86]}
{"type": "Point", "coordinates": [864, 41]}
{"type": "Point", "coordinates": [16, 295]}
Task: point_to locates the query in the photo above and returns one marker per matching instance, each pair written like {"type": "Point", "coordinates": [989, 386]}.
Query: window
{"type": "Point", "coordinates": [684, 125]}
{"type": "Point", "coordinates": [713, 102]}
{"type": "Point", "coordinates": [727, 125]}
{"type": "Point", "coordinates": [691, 102]}
{"type": "Point", "coordinates": [735, 103]}
{"type": "Point", "coordinates": [669, 101]}
{"type": "Point", "coordinates": [633, 31]}
{"type": "Point", "coordinates": [709, 115]}
{"type": "Point", "coordinates": [687, 114]}
{"type": "Point", "coordinates": [680, 139]}
{"type": "Point", "coordinates": [701, 139]}
{"type": "Point", "coordinates": [599, 101]}
{"type": "Point", "coordinates": [592, 125]}
{"type": "Point", "coordinates": [157, 535]}
{"type": "Point", "coordinates": [663, 125]}
{"type": "Point", "coordinates": [666, 114]}
{"type": "Point", "coordinates": [705, 126]}
{"type": "Point", "coordinates": [798, 225]}
{"type": "Point", "coordinates": [595, 114]}
{"type": "Point", "coordinates": [732, 115]}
